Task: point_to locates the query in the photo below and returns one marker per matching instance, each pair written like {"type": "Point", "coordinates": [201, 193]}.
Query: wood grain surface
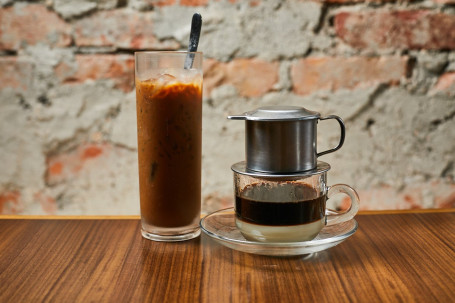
{"type": "Point", "coordinates": [399, 257]}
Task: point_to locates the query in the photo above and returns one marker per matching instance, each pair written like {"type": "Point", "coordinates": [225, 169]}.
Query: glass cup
{"type": "Point", "coordinates": [286, 207]}
{"type": "Point", "coordinates": [169, 131]}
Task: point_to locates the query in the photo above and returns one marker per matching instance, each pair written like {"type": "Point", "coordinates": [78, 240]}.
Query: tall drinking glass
{"type": "Point", "coordinates": [169, 131]}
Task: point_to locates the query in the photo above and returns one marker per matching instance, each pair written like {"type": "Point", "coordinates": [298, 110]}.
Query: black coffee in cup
{"type": "Point", "coordinates": [288, 207]}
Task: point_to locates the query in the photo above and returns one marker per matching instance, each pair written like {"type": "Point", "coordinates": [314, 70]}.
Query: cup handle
{"type": "Point", "coordinates": [342, 134]}
{"type": "Point", "coordinates": [334, 217]}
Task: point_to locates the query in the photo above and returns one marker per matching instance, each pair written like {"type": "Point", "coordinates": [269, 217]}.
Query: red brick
{"type": "Point", "coordinates": [251, 77]}
{"type": "Point", "coordinates": [48, 203]}
{"type": "Point", "coordinates": [346, 1]}
{"type": "Point", "coordinates": [445, 84]}
{"type": "Point", "coordinates": [119, 28]}
{"type": "Point", "coordinates": [15, 74]}
{"type": "Point", "coordinates": [333, 73]}
{"type": "Point", "coordinates": [385, 29]}
{"type": "Point", "coordinates": [252, 3]}
{"type": "Point", "coordinates": [193, 2]}
{"type": "Point", "coordinates": [91, 152]}
{"type": "Point", "coordinates": [360, 1]}
{"type": "Point", "coordinates": [67, 165]}
{"type": "Point", "coordinates": [444, 1]}
{"type": "Point", "coordinates": [56, 168]}
{"type": "Point", "coordinates": [446, 201]}
{"type": "Point", "coordinates": [162, 2]}
{"type": "Point", "coordinates": [10, 202]}
{"type": "Point", "coordinates": [30, 24]}
{"type": "Point", "coordinates": [150, 4]}
{"type": "Point", "coordinates": [213, 75]}
{"type": "Point", "coordinates": [118, 68]}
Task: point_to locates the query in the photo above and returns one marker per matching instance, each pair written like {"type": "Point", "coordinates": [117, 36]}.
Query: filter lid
{"type": "Point", "coordinates": [277, 113]}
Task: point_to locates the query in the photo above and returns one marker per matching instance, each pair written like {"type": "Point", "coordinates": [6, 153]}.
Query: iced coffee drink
{"type": "Point", "coordinates": [169, 123]}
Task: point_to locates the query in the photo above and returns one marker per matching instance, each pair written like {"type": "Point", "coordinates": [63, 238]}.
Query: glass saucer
{"type": "Point", "coordinates": [220, 226]}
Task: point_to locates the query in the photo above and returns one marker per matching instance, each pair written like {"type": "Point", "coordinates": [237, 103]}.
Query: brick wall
{"type": "Point", "coordinates": [67, 101]}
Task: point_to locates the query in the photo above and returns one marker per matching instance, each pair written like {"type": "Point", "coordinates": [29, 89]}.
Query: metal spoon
{"type": "Point", "coordinates": [195, 33]}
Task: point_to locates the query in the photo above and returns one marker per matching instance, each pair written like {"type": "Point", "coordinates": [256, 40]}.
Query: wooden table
{"type": "Point", "coordinates": [393, 257]}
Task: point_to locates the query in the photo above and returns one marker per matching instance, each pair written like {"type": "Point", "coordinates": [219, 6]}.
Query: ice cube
{"type": "Point", "coordinates": [165, 79]}
{"type": "Point", "coordinates": [191, 75]}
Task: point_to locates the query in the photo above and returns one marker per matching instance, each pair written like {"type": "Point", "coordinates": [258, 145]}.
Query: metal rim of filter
{"type": "Point", "coordinates": [241, 168]}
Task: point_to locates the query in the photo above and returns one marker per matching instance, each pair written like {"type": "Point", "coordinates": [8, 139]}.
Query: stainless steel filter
{"type": "Point", "coordinates": [282, 139]}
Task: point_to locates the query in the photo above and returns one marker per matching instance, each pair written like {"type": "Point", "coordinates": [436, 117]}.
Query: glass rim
{"type": "Point", "coordinates": [165, 52]}
{"type": "Point", "coordinates": [241, 169]}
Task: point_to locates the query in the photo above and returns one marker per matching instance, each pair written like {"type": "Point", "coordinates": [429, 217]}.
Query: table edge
{"type": "Point", "coordinates": [406, 211]}
{"type": "Point", "coordinates": [70, 217]}
{"type": "Point", "coordinates": [137, 217]}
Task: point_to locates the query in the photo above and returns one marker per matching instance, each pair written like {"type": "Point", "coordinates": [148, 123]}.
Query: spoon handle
{"type": "Point", "coordinates": [195, 33]}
